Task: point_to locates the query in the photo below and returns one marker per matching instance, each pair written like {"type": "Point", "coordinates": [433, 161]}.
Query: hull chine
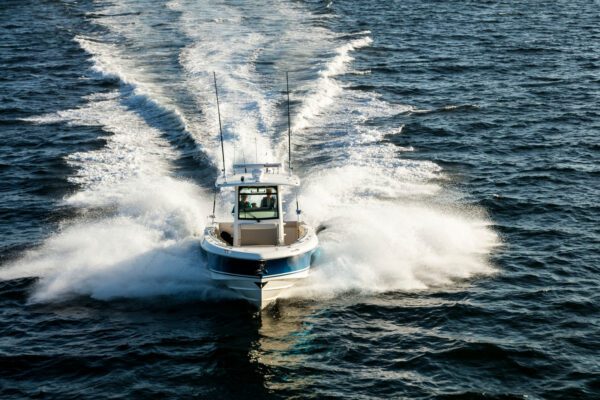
{"type": "Point", "coordinates": [259, 290]}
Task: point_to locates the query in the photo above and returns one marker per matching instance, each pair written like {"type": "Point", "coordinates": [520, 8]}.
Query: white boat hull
{"type": "Point", "coordinates": [259, 274]}
{"type": "Point", "coordinates": [259, 291]}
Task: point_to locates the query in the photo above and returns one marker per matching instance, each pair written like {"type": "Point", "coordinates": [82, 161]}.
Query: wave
{"type": "Point", "coordinates": [135, 234]}
{"type": "Point", "coordinates": [141, 90]}
{"type": "Point", "coordinates": [385, 230]}
{"type": "Point", "coordinates": [326, 89]}
{"type": "Point", "coordinates": [132, 239]}
{"type": "Point", "coordinates": [448, 108]}
{"type": "Point", "coordinates": [132, 147]}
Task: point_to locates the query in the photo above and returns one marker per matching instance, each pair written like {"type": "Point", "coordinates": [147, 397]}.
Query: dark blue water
{"type": "Point", "coordinates": [452, 149]}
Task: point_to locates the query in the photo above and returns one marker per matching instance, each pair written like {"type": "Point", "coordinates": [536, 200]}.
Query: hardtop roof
{"type": "Point", "coordinates": [266, 174]}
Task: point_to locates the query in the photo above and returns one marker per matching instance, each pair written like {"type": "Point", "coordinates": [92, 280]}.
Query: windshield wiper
{"type": "Point", "coordinates": [253, 216]}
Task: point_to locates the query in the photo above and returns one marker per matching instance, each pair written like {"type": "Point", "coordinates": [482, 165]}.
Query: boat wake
{"type": "Point", "coordinates": [390, 224]}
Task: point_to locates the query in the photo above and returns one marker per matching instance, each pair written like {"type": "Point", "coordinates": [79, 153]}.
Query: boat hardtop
{"type": "Point", "coordinates": [257, 174]}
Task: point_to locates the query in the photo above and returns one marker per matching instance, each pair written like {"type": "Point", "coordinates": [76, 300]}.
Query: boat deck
{"type": "Point", "coordinates": [260, 234]}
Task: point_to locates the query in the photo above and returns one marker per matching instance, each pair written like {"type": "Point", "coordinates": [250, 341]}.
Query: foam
{"type": "Point", "coordinates": [390, 225]}
{"type": "Point", "coordinates": [145, 245]}
{"type": "Point", "coordinates": [133, 148]}
{"type": "Point", "coordinates": [114, 258]}
{"type": "Point", "coordinates": [142, 90]}
{"type": "Point", "coordinates": [326, 88]}
{"type": "Point", "coordinates": [140, 239]}
{"type": "Point", "coordinates": [221, 43]}
{"type": "Point", "coordinates": [386, 231]}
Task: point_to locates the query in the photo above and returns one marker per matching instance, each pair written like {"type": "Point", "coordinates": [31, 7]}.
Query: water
{"type": "Point", "coordinates": [450, 148]}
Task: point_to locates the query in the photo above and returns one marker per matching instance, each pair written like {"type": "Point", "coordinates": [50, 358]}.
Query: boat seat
{"type": "Point", "coordinates": [258, 237]}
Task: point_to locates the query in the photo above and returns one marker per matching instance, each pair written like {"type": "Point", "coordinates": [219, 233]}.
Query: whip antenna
{"type": "Point", "coordinates": [214, 206]}
{"type": "Point", "coordinates": [220, 127]}
{"type": "Point", "coordinates": [287, 85]}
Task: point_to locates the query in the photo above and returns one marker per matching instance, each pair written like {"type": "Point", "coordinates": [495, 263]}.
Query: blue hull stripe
{"type": "Point", "coordinates": [264, 276]}
{"type": "Point", "coordinates": [254, 268]}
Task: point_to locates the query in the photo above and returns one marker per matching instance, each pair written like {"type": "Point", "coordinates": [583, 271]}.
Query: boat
{"type": "Point", "coordinates": [261, 251]}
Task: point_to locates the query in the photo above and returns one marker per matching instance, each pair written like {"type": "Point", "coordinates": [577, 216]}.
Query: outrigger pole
{"type": "Point", "coordinates": [214, 206]}
{"type": "Point", "coordinates": [287, 85]}
{"type": "Point", "coordinates": [220, 127]}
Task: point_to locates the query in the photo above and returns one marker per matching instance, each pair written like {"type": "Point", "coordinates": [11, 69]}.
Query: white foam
{"type": "Point", "coordinates": [384, 232]}
{"type": "Point", "coordinates": [145, 247]}
{"type": "Point", "coordinates": [114, 258]}
{"type": "Point", "coordinates": [113, 61]}
{"type": "Point", "coordinates": [143, 241]}
{"type": "Point", "coordinates": [326, 88]}
{"type": "Point", "coordinates": [247, 111]}
{"type": "Point", "coordinates": [229, 40]}
{"type": "Point", "coordinates": [389, 224]}
{"type": "Point", "coordinates": [133, 148]}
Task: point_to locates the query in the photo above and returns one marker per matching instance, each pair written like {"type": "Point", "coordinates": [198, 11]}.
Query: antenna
{"type": "Point", "coordinates": [287, 85]}
{"type": "Point", "coordinates": [220, 127]}
{"type": "Point", "coordinates": [214, 206]}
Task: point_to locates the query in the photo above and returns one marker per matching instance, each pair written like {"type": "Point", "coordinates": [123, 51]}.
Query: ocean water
{"type": "Point", "coordinates": [451, 149]}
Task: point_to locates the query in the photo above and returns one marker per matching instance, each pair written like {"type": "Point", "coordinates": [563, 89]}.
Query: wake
{"type": "Point", "coordinates": [390, 224]}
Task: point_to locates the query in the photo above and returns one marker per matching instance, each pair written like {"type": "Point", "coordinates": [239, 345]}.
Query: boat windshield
{"type": "Point", "coordinates": [258, 203]}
